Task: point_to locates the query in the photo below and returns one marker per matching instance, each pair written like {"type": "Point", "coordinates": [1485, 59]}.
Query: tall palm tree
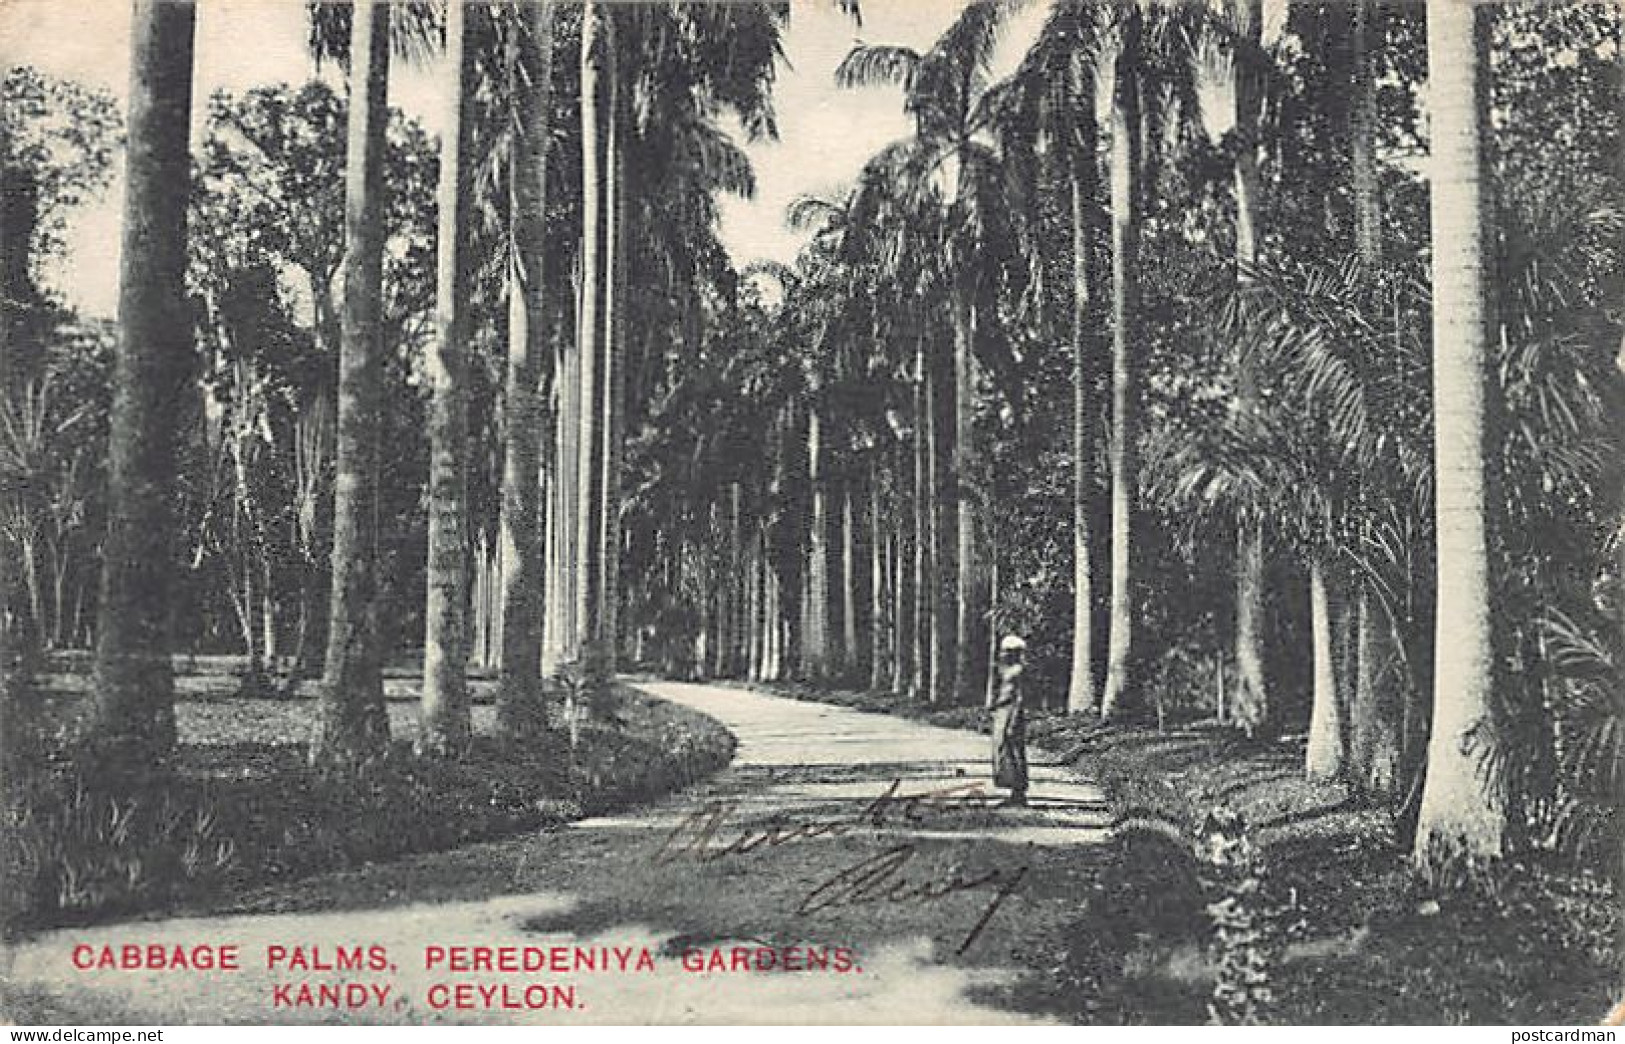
{"type": "Point", "coordinates": [522, 567]}
{"type": "Point", "coordinates": [598, 61]}
{"type": "Point", "coordinates": [1252, 696]}
{"type": "Point", "coordinates": [611, 405]}
{"type": "Point", "coordinates": [352, 721]}
{"type": "Point", "coordinates": [1126, 177]}
{"type": "Point", "coordinates": [1084, 180]}
{"type": "Point", "coordinates": [446, 725]}
{"type": "Point", "coordinates": [1377, 721]}
{"type": "Point", "coordinates": [1461, 814]}
{"type": "Point", "coordinates": [1068, 56]}
{"type": "Point", "coordinates": [134, 680]}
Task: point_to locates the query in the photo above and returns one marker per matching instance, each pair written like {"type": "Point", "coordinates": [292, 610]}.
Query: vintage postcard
{"type": "Point", "coordinates": [949, 512]}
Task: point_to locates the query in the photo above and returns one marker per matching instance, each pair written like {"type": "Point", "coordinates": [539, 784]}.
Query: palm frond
{"type": "Point", "coordinates": [878, 65]}
{"type": "Point", "coordinates": [417, 29]}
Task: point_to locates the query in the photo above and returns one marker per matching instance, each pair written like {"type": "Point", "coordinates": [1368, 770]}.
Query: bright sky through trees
{"type": "Point", "coordinates": [826, 133]}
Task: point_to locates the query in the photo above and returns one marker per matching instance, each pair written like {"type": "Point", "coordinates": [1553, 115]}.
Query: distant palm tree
{"type": "Point", "coordinates": [946, 92]}
{"type": "Point", "coordinates": [649, 173]}
{"type": "Point", "coordinates": [353, 724]}
{"type": "Point", "coordinates": [1461, 813]}
{"type": "Point", "coordinates": [134, 681]}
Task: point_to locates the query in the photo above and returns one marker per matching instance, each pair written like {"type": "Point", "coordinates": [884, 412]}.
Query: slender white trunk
{"type": "Point", "coordinates": [1125, 188]}
{"type": "Point", "coordinates": [1080, 696]}
{"type": "Point", "coordinates": [815, 602]}
{"type": "Point", "coordinates": [1324, 757]}
{"type": "Point", "coordinates": [595, 104]}
{"type": "Point", "coordinates": [1461, 813]}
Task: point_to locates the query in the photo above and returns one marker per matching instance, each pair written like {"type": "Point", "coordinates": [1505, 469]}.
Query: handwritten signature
{"type": "Point", "coordinates": [697, 834]}
{"type": "Point", "coordinates": [879, 879]}
{"type": "Point", "coordinates": [708, 834]}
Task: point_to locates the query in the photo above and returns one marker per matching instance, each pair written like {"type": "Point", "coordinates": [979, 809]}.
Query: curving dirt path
{"type": "Point", "coordinates": [817, 838]}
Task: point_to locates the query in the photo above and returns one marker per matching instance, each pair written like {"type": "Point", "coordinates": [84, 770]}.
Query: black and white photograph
{"type": "Point", "coordinates": [1095, 513]}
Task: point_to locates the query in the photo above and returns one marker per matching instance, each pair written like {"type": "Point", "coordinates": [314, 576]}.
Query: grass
{"type": "Point", "coordinates": [240, 806]}
{"type": "Point", "coordinates": [1350, 934]}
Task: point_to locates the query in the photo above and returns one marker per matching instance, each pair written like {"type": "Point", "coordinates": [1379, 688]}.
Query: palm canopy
{"type": "Point", "coordinates": [417, 30]}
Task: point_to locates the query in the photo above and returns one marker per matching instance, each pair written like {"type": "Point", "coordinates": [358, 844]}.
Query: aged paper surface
{"type": "Point", "coordinates": [793, 743]}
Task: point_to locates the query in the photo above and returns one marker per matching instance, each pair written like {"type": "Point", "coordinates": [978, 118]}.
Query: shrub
{"type": "Point", "coordinates": [77, 846]}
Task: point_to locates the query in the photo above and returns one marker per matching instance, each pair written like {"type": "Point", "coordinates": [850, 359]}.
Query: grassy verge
{"type": "Point", "coordinates": [1325, 924]}
{"type": "Point", "coordinates": [228, 815]}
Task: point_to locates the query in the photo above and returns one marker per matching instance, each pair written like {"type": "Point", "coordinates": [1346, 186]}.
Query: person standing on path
{"type": "Point", "coordinates": [1010, 722]}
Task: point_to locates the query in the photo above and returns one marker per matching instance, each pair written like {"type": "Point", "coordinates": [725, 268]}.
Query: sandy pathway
{"type": "Point", "coordinates": [814, 848]}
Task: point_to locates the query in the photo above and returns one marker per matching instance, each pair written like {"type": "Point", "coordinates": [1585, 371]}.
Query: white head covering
{"type": "Point", "coordinates": [1012, 643]}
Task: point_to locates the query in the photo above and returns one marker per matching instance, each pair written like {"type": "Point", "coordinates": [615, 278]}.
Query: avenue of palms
{"type": "Point", "coordinates": [1256, 366]}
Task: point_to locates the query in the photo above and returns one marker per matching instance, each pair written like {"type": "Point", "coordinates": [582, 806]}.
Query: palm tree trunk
{"type": "Point", "coordinates": [1363, 132]}
{"type": "Point", "coordinates": [595, 270]}
{"type": "Point", "coordinates": [353, 724]}
{"type": "Point", "coordinates": [1252, 692]}
{"type": "Point", "coordinates": [523, 577]}
{"type": "Point", "coordinates": [1125, 189]}
{"type": "Point", "coordinates": [737, 583]}
{"type": "Point", "coordinates": [990, 633]}
{"type": "Point", "coordinates": [944, 547]}
{"type": "Point", "coordinates": [971, 601]}
{"type": "Point", "coordinates": [446, 726]}
{"type": "Point", "coordinates": [1461, 814]}
{"type": "Point", "coordinates": [761, 619]}
{"type": "Point", "coordinates": [851, 659]}
{"type": "Point", "coordinates": [815, 602]}
{"type": "Point", "coordinates": [882, 632]}
{"type": "Point", "coordinates": [1324, 756]}
{"type": "Point", "coordinates": [901, 529]}
{"type": "Point", "coordinates": [776, 632]}
{"type": "Point", "coordinates": [134, 679]}
{"type": "Point", "coordinates": [1378, 715]}
{"type": "Point", "coordinates": [1080, 693]}
{"type": "Point", "coordinates": [559, 629]}
{"type": "Point", "coordinates": [613, 380]}
{"type": "Point", "coordinates": [314, 448]}
{"type": "Point", "coordinates": [34, 609]}
{"type": "Point", "coordinates": [268, 614]}
{"type": "Point", "coordinates": [920, 686]}
{"type": "Point", "coordinates": [750, 663]}
{"type": "Point", "coordinates": [789, 544]}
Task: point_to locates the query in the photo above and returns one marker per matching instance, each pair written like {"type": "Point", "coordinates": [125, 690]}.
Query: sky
{"type": "Point", "coordinates": [826, 133]}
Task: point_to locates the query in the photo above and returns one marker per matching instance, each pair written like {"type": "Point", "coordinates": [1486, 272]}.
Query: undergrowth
{"type": "Point", "coordinates": [82, 845]}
